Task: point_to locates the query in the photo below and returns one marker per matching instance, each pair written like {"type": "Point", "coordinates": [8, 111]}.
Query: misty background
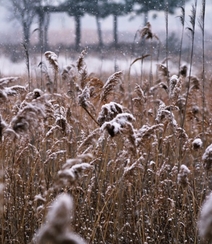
{"type": "Point", "coordinates": [61, 37]}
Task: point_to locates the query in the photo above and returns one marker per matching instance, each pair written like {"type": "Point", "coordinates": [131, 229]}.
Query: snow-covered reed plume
{"type": "Point", "coordinates": [174, 87]}
{"type": "Point", "coordinates": [6, 90]}
{"type": "Point", "coordinates": [163, 72]}
{"type": "Point", "coordinates": [183, 71]}
{"type": "Point", "coordinates": [75, 169]}
{"type": "Point", "coordinates": [119, 124]}
{"type": "Point", "coordinates": [197, 144]}
{"type": "Point", "coordinates": [182, 177]}
{"type": "Point", "coordinates": [109, 112]}
{"type": "Point", "coordinates": [194, 83]}
{"type": "Point", "coordinates": [205, 219]}
{"type": "Point", "coordinates": [165, 113]}
{"type": "Point", "coordinates": [56, 230]}
{"type": "Point", "coordinates": [146, 32]}
{"type": "Point", "coordinates": [53, 59]}
{"type": "Point", "coordinates": [207, 157]}
{"type": "Point", "coordinates": [30, 114]}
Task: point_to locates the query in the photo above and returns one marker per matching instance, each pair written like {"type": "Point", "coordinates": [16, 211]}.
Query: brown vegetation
{"type": "Point", "coordinates": [116, 145]}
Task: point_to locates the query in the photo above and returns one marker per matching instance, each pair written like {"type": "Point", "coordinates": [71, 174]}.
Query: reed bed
{"type": "Point", "coordinates": [93, 160]}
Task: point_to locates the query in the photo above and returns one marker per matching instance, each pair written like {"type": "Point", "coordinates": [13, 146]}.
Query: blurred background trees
{"type": "Point", "coordinates": [25, 11]}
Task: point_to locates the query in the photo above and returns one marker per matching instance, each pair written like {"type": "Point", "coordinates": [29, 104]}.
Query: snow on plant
{"type": "Point", "coordinates": [52, 58]}
{"type": "Point", "coordinates": [75, 169]}
{"type": "Point", "coordinates": [182, 177]}
{"type": "Point", "coordinates": [174, 87]}
{"type": "Point", "coordinates": [165, 113]}
{"type": "Point", "coordinates": [118, 124]}
{"type": "Point", "coordinates": [145, 132]}
{"type": "Point", "coordinates": [109, 112]}
{"type": "Point", "coordinates": [205, 219]}
{"type": "Point", "coordinates": [207, 157]}
{"type": "Point", "coordinates": [197, 144]}
{"type": "Point", "coordinates": [56, 230]}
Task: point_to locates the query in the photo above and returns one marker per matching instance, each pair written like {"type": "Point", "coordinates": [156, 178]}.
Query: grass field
{"type": "Point", "coordinates": [115, 158]}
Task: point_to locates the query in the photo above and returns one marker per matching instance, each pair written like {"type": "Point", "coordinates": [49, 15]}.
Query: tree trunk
{"type": "Point", "coordinates": [41, 34]}
{"type": "Point", "coordinates": [78, 32]}
{"type": "Point", "coordinates": [26, 30]}
{"type": "Point", "coordinates": [46, 27]}
{"type": "Point", "coordinates": [146, 16]}
{"type": "Point", "coordinates": [115, 30]}
{"type": "Point", "coordinates": [99, 30]}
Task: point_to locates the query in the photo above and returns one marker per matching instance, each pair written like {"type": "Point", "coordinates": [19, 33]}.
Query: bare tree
{"type": "Point", "coordinates": [24, 11]}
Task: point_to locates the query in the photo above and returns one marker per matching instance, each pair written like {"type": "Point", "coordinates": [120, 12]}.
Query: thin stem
{"type": "Point", "coordinates": [192, 30]}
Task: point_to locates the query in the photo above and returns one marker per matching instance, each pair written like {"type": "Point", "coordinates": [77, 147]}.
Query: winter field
{"type": "Point", "coordinates": [93, 155]}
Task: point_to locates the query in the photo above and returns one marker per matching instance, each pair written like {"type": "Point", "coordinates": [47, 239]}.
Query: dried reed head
{"type": "Point", "coordinates": [207, 157]}
{"type": "Point", "coordinates": [37, 93]}
{"type": "Point", "coordinates": [29, 116]}
{"type": "Point", "coordinates": [197, 144]}
{"type": "Point", "coordinates": [109, 112]}
{"type": "Point", "coordinates": [119, 124]}
{"type": "Point", "coordinates": [56, 229]}
{"type": "Point", "coordinates": [174, 88]}
{"type": "Point", "coordinates": [205, 219]}
{"type": "Point", "coordinates": [74, 169]}
{"type": "Point", "coordinates": [162, 70]}
{"type": "Point", "coordinates": [194, 83]}
{"type": "Point", "coordinates": [80, 64]}
{"type": "Point", "coordinates": [165, 113]}
{"type": "Point", "coordinates": [53, 59]}
{"type": "Point", "coordinates": [183, 71]}
{"type": "Point", "coordinates": [140, 92]}
{"type": "Point", "coordinates": [84, 97]}
{"type": "Point", "coordinates": [182, 177]}
{"type": "Point", "coordinates": [146, 32]}
{"type": "Point", "coordinates": [109, 86]}
{"type": "Point", "coordinates": [82, 69]}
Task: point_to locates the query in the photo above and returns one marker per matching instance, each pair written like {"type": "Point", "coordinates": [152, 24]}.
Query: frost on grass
{"type": "Point", "coordinates": [207, 157]}
{"type": "Point", "coordinates": [182, 177]}
{"type": "Point", "coordinates": [205, 219]}
{"type": "Point", "coordinates": [56, 229]}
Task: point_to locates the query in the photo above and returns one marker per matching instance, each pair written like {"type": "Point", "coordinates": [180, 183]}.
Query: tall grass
{"type": "Point", "coordinates": [85, 161]}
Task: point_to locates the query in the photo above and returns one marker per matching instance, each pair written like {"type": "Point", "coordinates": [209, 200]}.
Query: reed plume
{"type": "Point", "coordinates": [109, 86]}
{"type": "Point", "coordinates": [118, 124]}
{"type": "Point", "coordinates": [74, 169]}
{"type": "Point", "coordinates": [56, 230]}
{"type": "Point", "coordinates": [207, 157]}
{"type": "Point", "coordinates": [53, 61]}
{"type": "Point", "coordinates": [182, 177]}
{"type": "Point", "coordinates": [109, 112]}
{"type": "Point", "coordinates": [205, 219]}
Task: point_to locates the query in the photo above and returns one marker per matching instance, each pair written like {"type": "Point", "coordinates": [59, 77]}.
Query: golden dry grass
{"type": "Point", "coordinates": [135, 175]}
